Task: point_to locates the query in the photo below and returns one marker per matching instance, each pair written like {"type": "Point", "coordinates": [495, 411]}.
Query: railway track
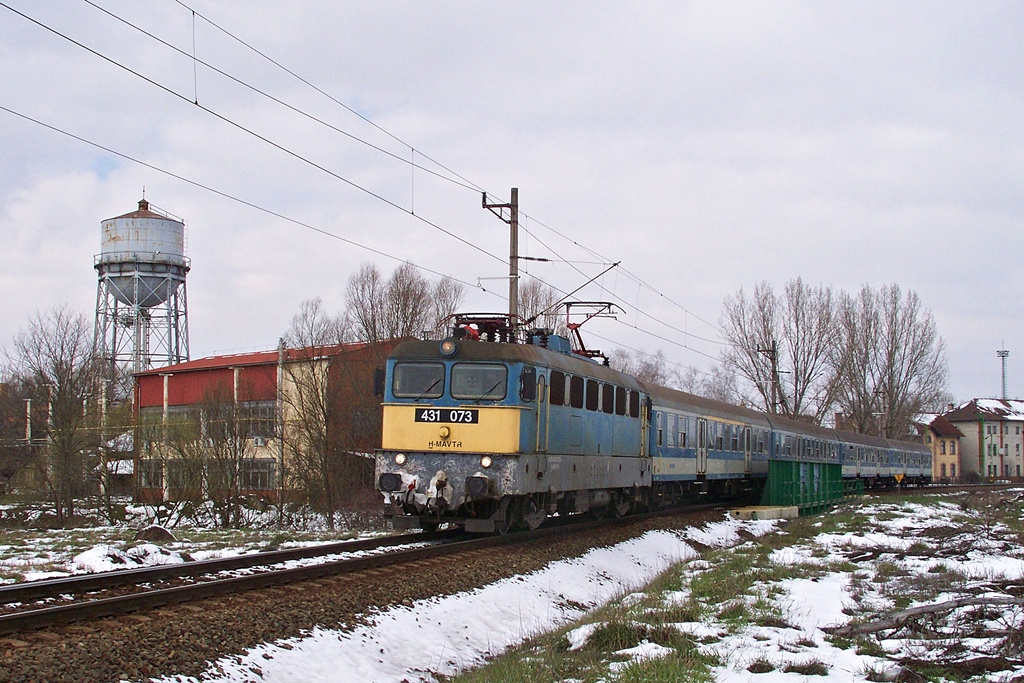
{"type": "Point", "coordinates": [56, 602]}
{"type": "Point", "coordinates": [38, 604]}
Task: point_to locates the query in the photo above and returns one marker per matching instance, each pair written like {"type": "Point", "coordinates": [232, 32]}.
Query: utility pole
{"type": "Point", "coordinates": [513, 250]}
{"type": "Point", "coordinates": [773, 356]}
{"type": "Point", "coordinates": [1003, 353]}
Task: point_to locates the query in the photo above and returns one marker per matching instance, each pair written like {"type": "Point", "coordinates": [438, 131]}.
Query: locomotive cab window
{"type": "Point", "coordinates": [418, 380]}
{"type": "Point", "coordinates": [620, 401]}
{"type": "Point", "coordinates": [607, 398]}
{"type": "Point", "coordinates": [479, 381]}
{"type": "Point", "coordinates": [634, 404]}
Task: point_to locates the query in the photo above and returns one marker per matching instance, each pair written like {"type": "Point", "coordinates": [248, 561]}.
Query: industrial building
{"type": "Point", "coordinates": [249, 423]}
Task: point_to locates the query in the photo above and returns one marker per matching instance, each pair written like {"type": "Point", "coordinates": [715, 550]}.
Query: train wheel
{"type": "Point", "coordinates": [429, 525]}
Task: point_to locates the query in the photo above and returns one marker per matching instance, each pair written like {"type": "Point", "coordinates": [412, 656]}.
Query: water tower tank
{"type": "Point", "coordinates": [141, 253]}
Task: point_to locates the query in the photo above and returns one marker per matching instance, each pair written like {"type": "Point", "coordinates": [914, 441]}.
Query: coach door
{"type": "Point", "coordinates": [746, 450]}
{"type": "Point", "coordinates": [702, 446]}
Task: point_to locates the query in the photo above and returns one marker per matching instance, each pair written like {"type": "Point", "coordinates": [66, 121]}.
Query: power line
{"type": "Point", "coordinates": [317, 166]}
{"type": "Point", "coordinates": [288, 106]}
{"type": "Point", "coordinates": [326, 94]}
{"type": "Point", "coordinates": [472, 185]}
{"type": "Point", "coordinates": [244, 202]}
{"type": "Point", "coordinates": [253, 133]}
{"type": "Point", "coordinates": [412, 163]}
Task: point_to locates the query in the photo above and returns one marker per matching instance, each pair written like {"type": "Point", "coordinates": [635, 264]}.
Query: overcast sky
{"type": "Point", "coordinates": [706, 146]}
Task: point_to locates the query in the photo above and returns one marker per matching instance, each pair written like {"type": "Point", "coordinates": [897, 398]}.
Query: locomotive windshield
{"type": "Point", "coordinates": [418, 380]}
{"type": "Point", "coordinates": [476, 381]}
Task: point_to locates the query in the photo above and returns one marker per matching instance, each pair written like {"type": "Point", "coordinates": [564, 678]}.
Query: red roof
{"type": "Point", "coordinates": [945, 429]}
{"type": "Point", "coordinates": [253, 358]}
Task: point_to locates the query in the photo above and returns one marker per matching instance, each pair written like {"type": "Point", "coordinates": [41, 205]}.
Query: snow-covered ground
{"type": "Point", "coordinates": [449, 634]}
{"type": "Point", "coordinates": [445, 635]}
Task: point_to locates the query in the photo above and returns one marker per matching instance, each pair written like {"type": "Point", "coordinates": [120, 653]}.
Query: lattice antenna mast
{"type": "Point", "coordinates": [1003, 353]}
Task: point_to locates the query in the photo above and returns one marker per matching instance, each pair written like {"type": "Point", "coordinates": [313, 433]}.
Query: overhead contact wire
{"type": "Point", "coordinates": [254, 134]}
{"type": "Point", "coordinates": [239, 200]}
{"type": "Point", "coordinates": [328, 96]}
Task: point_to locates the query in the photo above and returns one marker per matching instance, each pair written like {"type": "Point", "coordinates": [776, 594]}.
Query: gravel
{"type": "Point", "coordinates": [182, 640]}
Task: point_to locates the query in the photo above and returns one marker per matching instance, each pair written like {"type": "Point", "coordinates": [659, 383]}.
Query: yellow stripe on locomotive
{"type": "Point", "coordinates": [470, 429]}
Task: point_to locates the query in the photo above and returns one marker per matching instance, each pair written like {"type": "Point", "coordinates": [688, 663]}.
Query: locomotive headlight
{"type": "Point", "coordinates": [485, 461]}
{"type": "Point", "coordinates": [400, 459]}
{"type": "Point", "coordinates": [389, 481]}
{"type": "Point", "coordinates": [449, 347]}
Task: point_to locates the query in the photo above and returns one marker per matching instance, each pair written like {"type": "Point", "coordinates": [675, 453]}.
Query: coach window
{"type": "Point", "coordinates": [576, 392]}
{"type": "Point", "coordinates": [683, 428]}
{"type": "Point", "coordinates": [660, 431]}
{"type": "Point", "coordinates": [556, 394]}
{"type": "Point", "coordinates": [735, 438]}
{"type": "Point", "coordinates": [418, 380]}
{"type": "Point", "coordinates": [478, 381]}
{"type": "Point", "coordinates": [634, 404]}
{"type": "Point", "coordinates": [670, 427]}
{"type": "Point", "coordinates": [607, 398]}
{"type": "Point", "coordinates": [620, 401]}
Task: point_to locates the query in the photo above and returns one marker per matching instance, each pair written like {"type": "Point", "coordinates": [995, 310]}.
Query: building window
{"type": "Point", "coordinates": [942, 470]}
{"type": "Point", "coordinates": [952, 471]}
{"type": "Point", "coordinates": [952, 447]}
{"type": "Point", "coordinates": [258, 475]}
{"type": "Point", "coordinates": [942, 447]}
{"type": "Point", "coordinates": [152, 472]}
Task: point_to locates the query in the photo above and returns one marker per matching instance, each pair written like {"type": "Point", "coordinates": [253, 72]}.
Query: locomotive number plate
{"type": "Point", "coordinates": [454, 415]}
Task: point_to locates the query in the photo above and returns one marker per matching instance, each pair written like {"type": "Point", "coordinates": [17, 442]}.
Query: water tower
{"type": "Point", "coordinates": [141, 308]}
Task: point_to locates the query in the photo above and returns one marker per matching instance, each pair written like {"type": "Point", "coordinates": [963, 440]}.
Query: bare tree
{"type": "Point", "coordinates": [309, 408]}
{"type": "Point", "coordinates": [228, 457]}
{"type": "Point", "coordinates": [53, 358]}
{"type": "Point", "coordinates": [782, 346]}
{"type": "Point", "coordinates": [718, 384]}
{"type": "Point", "coordinates": [174, 457]}
{"type": "Point", "coordinates": [406, 305]}
{"type": "Point", "coordinates": [313, 326]}
{"type": "Point", "coordinates": [539, 302]}
{"type": "Point", "coordinates": [16, 451]}
{"type": "Point", "coordinates": [646, 367]}
{"type": "Point", "coordinates": [446, 299]}
{"type": "Point", "coordinates": [365, 296]}
{"type": "Point", "coordinates": [891, 361]}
